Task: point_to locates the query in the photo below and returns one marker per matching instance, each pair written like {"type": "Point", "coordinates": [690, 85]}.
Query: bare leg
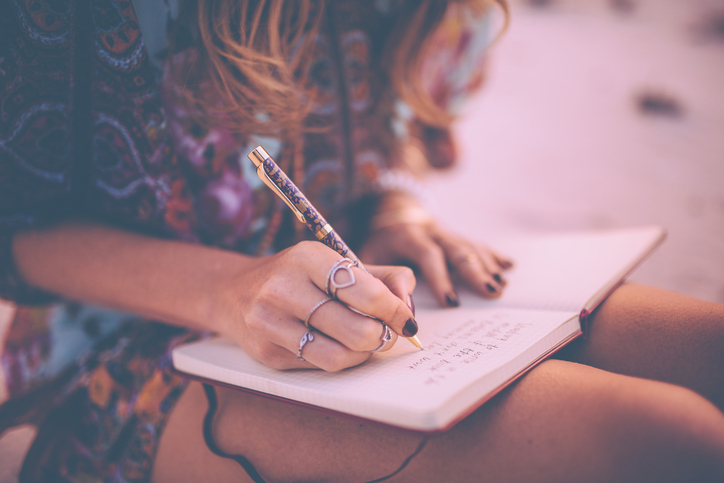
{"type": "Point", "coordinates": [656, 334]}
{"type": "Point", "coordinates": [562, 422]}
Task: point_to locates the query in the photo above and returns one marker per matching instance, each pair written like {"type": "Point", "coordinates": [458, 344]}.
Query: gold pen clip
{"type": "Point", "coordinates": [257, 156]}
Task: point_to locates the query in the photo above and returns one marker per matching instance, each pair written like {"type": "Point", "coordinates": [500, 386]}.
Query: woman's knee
{"type": "Point", "coordinates": [657, 431]}
{"type": "Point", "coordinates": [562, 422]}
{"type": "Point", "coordinates": [618, 427]}
{"type": "Point", "coordinates": [656, 334]}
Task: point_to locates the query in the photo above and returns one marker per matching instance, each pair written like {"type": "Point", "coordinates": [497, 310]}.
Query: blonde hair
{"type": "Point", "coordinates": [254, 57]}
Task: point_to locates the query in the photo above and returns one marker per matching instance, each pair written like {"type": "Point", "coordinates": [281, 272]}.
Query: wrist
{"type": "Point", "coordinates": [399, 209]}
{"type": "Point", "coordinates": [400, 183]}
{"type": "Point", "coordinates": [227, 293]}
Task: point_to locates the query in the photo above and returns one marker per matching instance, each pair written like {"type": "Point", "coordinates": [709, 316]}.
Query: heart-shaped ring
{"type": "Point", "coordinates": [332, 286]}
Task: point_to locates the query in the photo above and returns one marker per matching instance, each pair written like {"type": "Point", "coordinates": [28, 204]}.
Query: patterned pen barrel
{"type": "Point", "coordinates": [280, 183]}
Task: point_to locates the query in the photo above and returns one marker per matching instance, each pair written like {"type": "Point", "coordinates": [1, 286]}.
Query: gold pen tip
{"type": "Point", "coordinates": [415, 341]}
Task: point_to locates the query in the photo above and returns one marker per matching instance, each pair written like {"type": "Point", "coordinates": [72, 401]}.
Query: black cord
{"type": "Point", "coordinates": [209, 436]}
{"type": "Point", "coordinates": [245, 463]}
{"type": "Point", "coordinates": [404, 463]}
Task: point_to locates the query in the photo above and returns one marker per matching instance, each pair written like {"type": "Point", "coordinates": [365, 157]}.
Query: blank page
{"type": "Point", "coordinates": [563, 272]}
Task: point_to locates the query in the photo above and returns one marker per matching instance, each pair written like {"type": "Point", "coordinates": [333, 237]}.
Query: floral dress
{"type": "Point", "coordinates": [86, 129]}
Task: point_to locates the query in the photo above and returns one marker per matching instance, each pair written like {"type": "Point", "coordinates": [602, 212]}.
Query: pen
{"type": "Point", "coordinates": [272, 176]}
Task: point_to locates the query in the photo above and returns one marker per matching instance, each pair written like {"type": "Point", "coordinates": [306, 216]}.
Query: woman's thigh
{"type": "Point", "coordinates": [561, 422]}
{"type": "Point", "coordinates": [657, 334]}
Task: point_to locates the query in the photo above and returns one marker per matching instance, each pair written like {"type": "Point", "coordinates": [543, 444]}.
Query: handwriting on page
{"type": "Point", "coordinates": [463, 345]}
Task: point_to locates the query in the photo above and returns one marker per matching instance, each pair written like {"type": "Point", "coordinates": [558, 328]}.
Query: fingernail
{"type": "Point", "coordinates": [411, 304]}
{"type": "Point", "coordinates": [410, 328]}
{"type": "Point", "coordinates": [452, 299]}
{"type": "Point", "coordinates": [499, 279]}
{"type": "Point", "coordinates": [491, 288]}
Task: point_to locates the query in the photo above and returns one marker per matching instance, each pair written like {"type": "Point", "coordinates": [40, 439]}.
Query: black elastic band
{"type": "Point", "coordinates": [209, 436]}
{"type": "Point", "coordinates": [245, 463]}
{"type": "Point", "coordinates": [404, 463]}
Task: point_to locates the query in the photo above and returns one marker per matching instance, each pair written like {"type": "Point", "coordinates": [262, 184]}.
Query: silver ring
{"type": "Point", "coordinates": [307, 337]}
{"type": "Point", "coordinates": [386, 337]}
{"type": "Point", "coordinates": [332, 286]}
{"type": "Point", "coordinates": [313, 309]}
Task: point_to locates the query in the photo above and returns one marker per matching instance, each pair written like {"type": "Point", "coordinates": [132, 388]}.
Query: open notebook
{"type": "Point", "coordinates": [470, 353]}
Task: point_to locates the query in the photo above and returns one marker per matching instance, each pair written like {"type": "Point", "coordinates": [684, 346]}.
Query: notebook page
{"type": "Point", "coordinates": [561, 272]}
{"type": "Point", "coordinates": [404, 386]}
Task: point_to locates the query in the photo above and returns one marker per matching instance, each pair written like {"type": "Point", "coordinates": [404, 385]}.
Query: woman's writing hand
{"type": "Point", "coordinates": [404, 235]}
{"type": "Point", "coordinates": [272, 298]}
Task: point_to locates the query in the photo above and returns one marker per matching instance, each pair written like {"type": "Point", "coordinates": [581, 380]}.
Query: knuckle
{"type": "Point", "coordinates": [406, 273]}
{"type": "Point", "coordinates": [264, 352]}
{"type": "Point", "coordinates": [298, 252]}
{"type": "Point", "coordinates": [365, 336]}
{"type": "Point", "coordinates": [255, 321]}
{"type": "Point", "coordinates": [272, 292]}
{"type": "Point", "coordinates": [404, 276]}
{"type": "Point", "coordinates": [267, 355]}
{"type": "Point", "coordinates": [430, 253]}
{"type": "Point", "coordinates": [334, 360]}
{"type": "Point", "coordinates": [306, 246]}
{"type": "Point", "coordinates": [260, 328]}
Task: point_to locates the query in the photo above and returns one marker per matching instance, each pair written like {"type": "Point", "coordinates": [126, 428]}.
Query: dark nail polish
{"type": "Point", "coordinates": [410, 328]}
{"type": "Point", "coordinates": [498, 278]}
{"type": "Point", "coordinates": [491, 288]}
{"type": "Point", "coordinates": [411, 304]}
{"type": "Point", "coordinates": [452, 299]}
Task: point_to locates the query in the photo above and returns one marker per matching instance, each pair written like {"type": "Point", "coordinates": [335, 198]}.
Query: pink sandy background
{"type": "Point", "coordinates": [556, 140]}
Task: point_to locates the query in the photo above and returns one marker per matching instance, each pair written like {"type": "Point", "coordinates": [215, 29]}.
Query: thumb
{"type": "Point", "coordinates": [400, 281]}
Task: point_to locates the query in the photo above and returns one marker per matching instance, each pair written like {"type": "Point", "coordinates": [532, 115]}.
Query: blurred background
{"type": "Point", "coordinates": [602, 114]}
{"type": "Point", "coordinates": [596, 114]}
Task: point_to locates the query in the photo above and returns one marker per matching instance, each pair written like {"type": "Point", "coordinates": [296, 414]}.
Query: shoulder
{"type": "Point", "coordinates": [454, 62]}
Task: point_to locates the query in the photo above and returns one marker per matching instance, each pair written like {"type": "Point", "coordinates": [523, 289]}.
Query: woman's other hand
{"type": "Point", "coordinates": [272, 299]}
{"type": "Point", "coordinates": [403, 233]}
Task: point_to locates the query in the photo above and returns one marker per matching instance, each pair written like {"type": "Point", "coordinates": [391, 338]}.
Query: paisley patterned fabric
{"type": "Point", "coordinates": [151, 167]}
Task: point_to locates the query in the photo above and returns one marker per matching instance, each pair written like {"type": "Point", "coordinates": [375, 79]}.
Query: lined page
{"type": "Point", "coordinates": [563, 272]}
{"type": "Point", "coordinates": [464, 348]}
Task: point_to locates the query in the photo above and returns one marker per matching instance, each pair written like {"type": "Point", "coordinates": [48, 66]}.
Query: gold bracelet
{"type": "Point", "coordinates": [404, 216]}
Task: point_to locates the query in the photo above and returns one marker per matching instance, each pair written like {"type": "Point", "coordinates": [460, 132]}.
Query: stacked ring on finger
{"type": "Point", "coordinates": [332, 286]}
{"type": "Point", "coordinates": [313, 309]}
{"type": "Point", "coordinates": [386, 337]}
{"type": "Point", "coordinates": [306, 338]}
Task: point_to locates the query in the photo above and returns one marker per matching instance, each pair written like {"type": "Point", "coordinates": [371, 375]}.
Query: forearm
{"type": "Point", "coordinates": [170, 281]}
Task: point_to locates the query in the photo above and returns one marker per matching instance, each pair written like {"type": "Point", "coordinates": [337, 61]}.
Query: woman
{"type": "Point", "coordinates": [156, 213]}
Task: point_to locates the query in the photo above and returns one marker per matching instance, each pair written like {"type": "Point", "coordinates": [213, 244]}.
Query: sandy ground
{"type": "Point", "coordinates": [558, 139]}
